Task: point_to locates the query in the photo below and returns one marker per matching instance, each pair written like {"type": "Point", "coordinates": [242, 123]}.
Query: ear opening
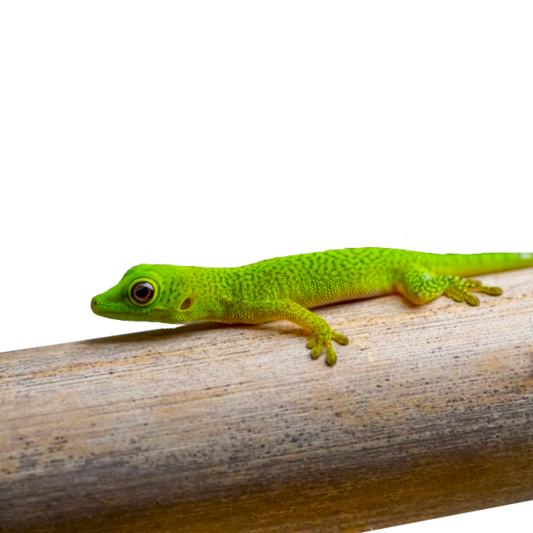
{"type": "Point", "coordinates": [186, 304]}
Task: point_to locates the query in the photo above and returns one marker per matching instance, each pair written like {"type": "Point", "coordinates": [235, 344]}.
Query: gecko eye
{"type": "Point", "coordinates": [142, 292]}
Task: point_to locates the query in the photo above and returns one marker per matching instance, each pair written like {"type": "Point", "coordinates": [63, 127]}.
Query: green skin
{"type": "Point", "coordinates": [285, 288]}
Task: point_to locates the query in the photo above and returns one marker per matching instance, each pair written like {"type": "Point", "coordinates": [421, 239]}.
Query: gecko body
{"type": "Point", "coordinates": [285, 288]}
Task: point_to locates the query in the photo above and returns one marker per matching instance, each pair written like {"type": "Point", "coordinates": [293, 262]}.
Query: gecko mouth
{"type": "Point", "coordinates": [110, 315]}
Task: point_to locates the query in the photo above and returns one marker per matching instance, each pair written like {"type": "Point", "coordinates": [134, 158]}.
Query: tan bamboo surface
{"type": "Point", "coordinates": [206, 428]}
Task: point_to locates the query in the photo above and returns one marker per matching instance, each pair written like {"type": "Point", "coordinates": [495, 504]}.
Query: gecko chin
{"type": "Point", "coordinates": [137, 323]}
{"type": "Point", "coordinates": [118, 318]}
{"type": "Point", "coordinates": [102, 308]}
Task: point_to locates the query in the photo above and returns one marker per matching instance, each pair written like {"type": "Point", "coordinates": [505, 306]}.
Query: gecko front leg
{"type": "Point", "coordinates": [257, 312]}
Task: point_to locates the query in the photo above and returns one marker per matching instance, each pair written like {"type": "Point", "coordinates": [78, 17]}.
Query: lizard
{"type": "Point", "coordinates": [286, 288]}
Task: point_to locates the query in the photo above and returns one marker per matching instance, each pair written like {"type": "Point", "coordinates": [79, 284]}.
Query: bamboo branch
{"type": "Point", "coordinates": [428, 412]}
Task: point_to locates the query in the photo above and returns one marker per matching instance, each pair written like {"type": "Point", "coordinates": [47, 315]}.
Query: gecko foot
{"type": "Point", "coordinates": [460, 290]}
{"type": "Point", "coordinates": [322, 339]}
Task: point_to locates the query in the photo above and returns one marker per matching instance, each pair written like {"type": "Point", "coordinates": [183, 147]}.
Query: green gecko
{"type": "Point", "coordinates": [285, 288]}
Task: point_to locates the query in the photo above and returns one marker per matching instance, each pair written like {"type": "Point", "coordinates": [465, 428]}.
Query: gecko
{"type": "Point", "coordinates": [286, 288]}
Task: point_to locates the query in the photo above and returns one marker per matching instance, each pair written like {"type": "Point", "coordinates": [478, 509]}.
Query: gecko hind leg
{"type": "Point", "coordinates": [420, 286]}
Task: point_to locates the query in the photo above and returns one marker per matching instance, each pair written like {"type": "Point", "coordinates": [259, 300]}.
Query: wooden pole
{"type": "Point", "coordinates": [428, 412]}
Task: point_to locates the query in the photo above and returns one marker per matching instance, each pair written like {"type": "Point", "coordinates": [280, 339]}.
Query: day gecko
{"type": "Point", "coordinates": [285, 288]}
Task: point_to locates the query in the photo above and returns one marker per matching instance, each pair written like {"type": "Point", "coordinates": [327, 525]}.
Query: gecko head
{"type": "Point", "coordinates": [152, 293]}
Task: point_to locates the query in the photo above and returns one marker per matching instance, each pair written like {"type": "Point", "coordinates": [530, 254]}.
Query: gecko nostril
{"type": "Point", "coordinates": [94, 303]}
